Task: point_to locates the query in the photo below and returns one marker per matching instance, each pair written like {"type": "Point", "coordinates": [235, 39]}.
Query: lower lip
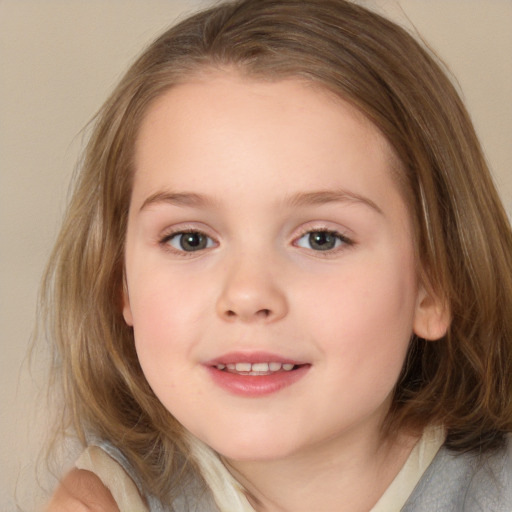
{"type": "Point", "coordinates": [256, 385]}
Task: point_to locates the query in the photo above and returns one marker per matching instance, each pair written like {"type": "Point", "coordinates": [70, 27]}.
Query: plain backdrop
{"type": "Point", "coordinates": [58, 61]}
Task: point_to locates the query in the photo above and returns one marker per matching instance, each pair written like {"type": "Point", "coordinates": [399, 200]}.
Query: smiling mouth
{"type": "Point", "coordinates": [257, 368]}
{"type": "Point", "coordinates": [255, 374]}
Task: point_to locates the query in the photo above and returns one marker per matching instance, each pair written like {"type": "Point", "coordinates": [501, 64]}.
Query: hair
{"type": "Point", "coordinates": [462, 239]}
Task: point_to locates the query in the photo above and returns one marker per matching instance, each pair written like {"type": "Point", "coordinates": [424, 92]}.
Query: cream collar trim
{"type": "Point", "coordinates": [419, 460]}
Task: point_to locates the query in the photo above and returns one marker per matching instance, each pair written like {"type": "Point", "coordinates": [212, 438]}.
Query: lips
{"type": "Point", "coordinates": [256, 368]}
{"type": "Point", "coordinates": [255, 374]}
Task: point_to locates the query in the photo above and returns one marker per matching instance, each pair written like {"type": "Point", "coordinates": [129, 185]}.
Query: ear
{"type": "Point", "coordinates": [127, 310]}
{"type": "Point", "coordinates": [432, 316]}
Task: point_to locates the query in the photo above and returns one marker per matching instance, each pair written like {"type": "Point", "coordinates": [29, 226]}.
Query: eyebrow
{"type": "Point", "coordinates": [179, 199]}
{"type": "Point", "coordinates": [300, 199]}
{"type": "Point", "coordinates": [330, 196]}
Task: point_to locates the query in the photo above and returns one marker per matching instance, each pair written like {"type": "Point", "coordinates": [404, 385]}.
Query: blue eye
{"type": "Point", "coordinates": [322, 240]}
{"type": "Point", "coordinates": [189, 241]}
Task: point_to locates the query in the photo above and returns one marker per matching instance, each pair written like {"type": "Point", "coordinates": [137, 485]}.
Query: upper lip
{"type": "Point", "coordinates": [252, 357]}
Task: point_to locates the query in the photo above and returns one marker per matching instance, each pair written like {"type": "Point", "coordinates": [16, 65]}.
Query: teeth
{"type": "Point", "coordinates": [259, 367]}
{"type": "Point", "coordinates": [256, 368]}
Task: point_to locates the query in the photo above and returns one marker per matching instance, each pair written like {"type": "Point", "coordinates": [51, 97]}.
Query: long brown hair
{"type": "Point", "coordinates": [463, 239]}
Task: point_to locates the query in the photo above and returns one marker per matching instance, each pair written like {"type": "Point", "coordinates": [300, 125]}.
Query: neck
{"type": "Point", "coordinates": [346, 475]}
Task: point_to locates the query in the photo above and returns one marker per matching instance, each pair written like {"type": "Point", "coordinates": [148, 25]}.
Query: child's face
{"type": "Point", "coordinates": [297, 250]}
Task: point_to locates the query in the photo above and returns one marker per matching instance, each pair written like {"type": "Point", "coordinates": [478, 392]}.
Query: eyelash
{"type": "Point", "coordinates": [343, 240]}
{"type": "Point", "coordinates": [164, 242]}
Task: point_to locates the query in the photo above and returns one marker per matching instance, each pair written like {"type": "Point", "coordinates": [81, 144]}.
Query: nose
{"type": "Point", "coordinates": [250, 293]}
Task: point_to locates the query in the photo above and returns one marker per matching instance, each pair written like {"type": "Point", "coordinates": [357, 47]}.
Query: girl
{"type": "Point", "coordinates": [284, 282]}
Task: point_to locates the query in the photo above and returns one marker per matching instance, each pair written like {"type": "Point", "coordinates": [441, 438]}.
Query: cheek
{"type": "Point", "coordinates": [364, 321]}
{"type": "Point", "coordinates": [160, 321]}
{"type": "Point", "coordinates": [170, 312]}
{"type": "Point", "coordinates": [161, 343]}
{"type": "Point", "coordinates": [163, 302]}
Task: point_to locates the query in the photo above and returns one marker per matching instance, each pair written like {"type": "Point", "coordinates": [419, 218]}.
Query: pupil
{"type": "Point", "coordinates": [192, 241]}
{"type": "Point", "coordinates": [322, 240]}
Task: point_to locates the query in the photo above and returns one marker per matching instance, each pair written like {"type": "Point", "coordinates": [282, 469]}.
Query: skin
{"type": "Point", "coordinates": [82, 491]}
{"type": "Point", "coordinates": [246, 148]}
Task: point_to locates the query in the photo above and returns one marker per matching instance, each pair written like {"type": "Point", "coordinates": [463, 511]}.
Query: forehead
{"type": "Point", "coordinates": [232, 94]}
{"type": "Point", "coordinates": [224, 120]}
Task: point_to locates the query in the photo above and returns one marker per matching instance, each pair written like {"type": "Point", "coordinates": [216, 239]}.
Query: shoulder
{"type": "Point", "coordinates": [465, 481]}
{"type": "Point", "coordinates": [82, 491]}
{"type": "Point", "coordinates": [110, 467]}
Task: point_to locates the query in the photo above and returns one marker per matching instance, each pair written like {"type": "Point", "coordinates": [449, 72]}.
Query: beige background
{"type": "Point", "coordinates": [58, 60]}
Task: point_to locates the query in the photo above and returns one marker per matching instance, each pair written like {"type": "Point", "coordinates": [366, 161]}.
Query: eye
{"type": "Point", "coordinates": [189, 241]}
{"type": "Point", "coordinates": [322, 240]}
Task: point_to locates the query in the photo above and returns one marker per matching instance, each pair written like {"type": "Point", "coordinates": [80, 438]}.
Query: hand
{"type": "Point", "coordinates": [82, 491]}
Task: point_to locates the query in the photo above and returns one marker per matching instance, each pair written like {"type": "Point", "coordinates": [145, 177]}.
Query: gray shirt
{"type": "Point", "coordinates": [468, 482]}
{"type": "Point", "coordinates": [454, 482]}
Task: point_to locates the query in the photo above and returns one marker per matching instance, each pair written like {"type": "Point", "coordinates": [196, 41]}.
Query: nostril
{"type": "Point", "coordinates": [258, 314]}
